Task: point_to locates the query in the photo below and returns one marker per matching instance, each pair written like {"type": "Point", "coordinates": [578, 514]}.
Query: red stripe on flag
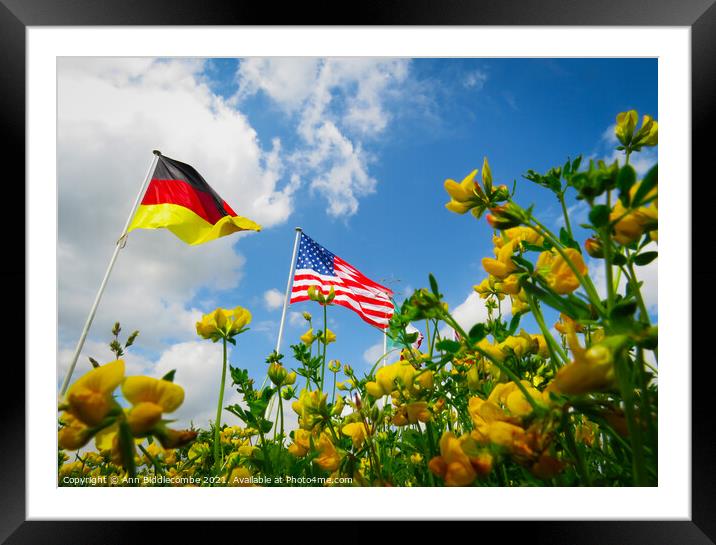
{"type": "Point", "coordinates": [183, 194]}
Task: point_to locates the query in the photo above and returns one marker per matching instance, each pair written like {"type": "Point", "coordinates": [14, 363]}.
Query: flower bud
{"type": "Point", "coordinates": [502, 193]}
{"type": "Point", "coordinates": [334, 365]}
{"type": "Point", "coordinates": [277, 373]}
{"type": "Point", "coordinates": [504, 216]}
{"type": "Point", "coordinates": [594, 247]}
{"type": "Point", "coordinates": [307, 316]}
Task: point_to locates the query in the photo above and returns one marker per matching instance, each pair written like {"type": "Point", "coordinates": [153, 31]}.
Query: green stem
{"type": "Point", "coordinates": [325, 343]}
{"type": "Point", "coordinates": [280, 406]}
{"type": "Point", "coordinates": [560, 195]}
{"type": "Point", "coordinates": [581, 466]}
{"type": "Point", "coordinates": [607, 241]}
{"type": "Point", "coordinates": [626, 389]}
{"type": "Point", "coordinates": [157, 467]}
{"type": "Point", "coordinates": [217, 424]}
{"type": "Point", "coordinates": [637, 291]}
{"type": "Point", "coordinates": [126, 441]}
{"type": "Point", "coordinates": [552, 346]}
{"type": "Point", "coordinates": [333, 397]}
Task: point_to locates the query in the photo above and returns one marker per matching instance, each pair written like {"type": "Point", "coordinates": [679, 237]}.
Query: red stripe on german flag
{"type": "Point", "coordinates": [179, 199]}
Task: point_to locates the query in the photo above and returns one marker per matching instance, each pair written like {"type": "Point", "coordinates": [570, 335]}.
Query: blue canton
{"type": "Point", "coordinates": [312, 255]}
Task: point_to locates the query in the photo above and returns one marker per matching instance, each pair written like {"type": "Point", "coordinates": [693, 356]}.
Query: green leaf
{"type": "Point", "coordinates": [625, 180]}
{"type": "Point", "coordinates": [647, 184]}
{"type": "Point", "coordinates": [599, 215]}
{"type": "Point", "coordinates": [523, 262]}
{"type": "Point", "coordinates": [477, 333]}
{"type": "Point", "coordinates": [169, 377]}
{"type": "Point", "coordinates": [645, 258]}
{"type": "Point", "coordinates": [446, 345]}
{"type": "Point", "coordinates": [514, 324]}
{"type": "Point", "coordinates": [619, 260]}
{"type": "Point", "coordinates": [434, 285]}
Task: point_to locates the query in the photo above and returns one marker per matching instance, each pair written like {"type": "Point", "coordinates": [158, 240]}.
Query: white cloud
{"type": "Point", "coordinates": [198, 371]}
{"type": "Point", "coordinates": [273, 299]}
{"type": "Point", "coordinates": [295, 319]}
{"type": "Point", "coordinates": [338, 104]}
{"type": "Point", "coordinates": [471, 311]}
{"type": "Point", "coordinates": [289, 81]}
{"type": "Point", "coordinates": [371, 355]}
{"type": "Point", "coordinates": [475, 80]}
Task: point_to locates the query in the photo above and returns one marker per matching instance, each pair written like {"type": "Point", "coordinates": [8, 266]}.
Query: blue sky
{"type": "Point", "coordinates": [354, 153]}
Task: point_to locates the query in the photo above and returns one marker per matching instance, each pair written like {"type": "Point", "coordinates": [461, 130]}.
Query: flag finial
{"type": "Point", "coordinates": [156, 152]}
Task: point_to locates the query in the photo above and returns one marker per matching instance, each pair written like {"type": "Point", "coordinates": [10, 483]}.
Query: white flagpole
{"type": "Point", "coordinates": [288, 290]}
{"type": "Point", "coordinates": [118, 246]}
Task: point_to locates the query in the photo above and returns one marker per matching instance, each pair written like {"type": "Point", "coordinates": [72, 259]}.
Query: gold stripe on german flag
{"type": "Point", "coordinates": [179, 199]}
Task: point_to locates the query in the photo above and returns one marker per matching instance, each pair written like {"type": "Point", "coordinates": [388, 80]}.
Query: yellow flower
{"type": "Point", "coordinates": [511, 284]}
{"type": "Point", "coordinates": [357, 432]}
{"type": "Point", "coordinates": [524, 234]}
{"type": "Point", "coordinates": [223, 323]}
{"type": "Point", "coordinates": [489, 286]}
{"type": "Point", "coordinates": [310, 407]}
{"type": "Point", "coordinates": [308, 337]}
{"type": "Point", "coordinates": [519, 303]}
{"type": "Point", "coordinates": [521, 345]}
{"type": "Point", "coordinates": [301, 443]}
{"type": "Point", "coordinates": [558, 274]}
{"type": "Point", "coordinates": [74, 434]}
{"type": "Point", "coordinates": [453, 465]}
{"type": "Point", "coordinates": [626, 123]}
{"type": "Point", "coordinates": [634, 223]}
{"type": "Point", "coordinates": [565, 323]}
{"type": "Point", "coordinates": [279, 376]}
{"type": "Point", "coordinates": [492, 350]}
{"type": "Point", "coordinates": [503, 266]}
{"type": "Point", "coordinates": [462, 195]}
{"type": "Point", "coordinates": [150, 398]}
{"type": "Point", "coordinates": [328, 458]}
{"type": "Point", "coordinates": [542, 349]}
{"type": "Point", "coordinates": [511, 397]}
{"type": "Point", "coordinates": [418, 412]}
{"type": "Point", "coordinates": [328, 337]}
{"type": "Point", "coordinates": [647, 135]}
{"type": "Point", "coordinates": [591, 371]}
{"type": "Point", "coordinates": [90, 397]}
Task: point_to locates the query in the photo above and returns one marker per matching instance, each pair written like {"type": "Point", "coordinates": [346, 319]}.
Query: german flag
{"type": "Point", "coordinates": [179, 199]}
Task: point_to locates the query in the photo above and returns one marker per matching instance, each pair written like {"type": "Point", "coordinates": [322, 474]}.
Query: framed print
{"type": "Point", "coordinates": [401, 267]}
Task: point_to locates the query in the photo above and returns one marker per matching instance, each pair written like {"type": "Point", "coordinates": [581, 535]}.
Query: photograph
{"type": "Point", "coordinates": [357, 271]}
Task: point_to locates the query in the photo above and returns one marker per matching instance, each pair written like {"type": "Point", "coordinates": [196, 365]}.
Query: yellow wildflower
{"type": "Point", "coordinates": [357, 432]}
{"type": "Point", "coordinates": [90, 397]}
{"type": "Point", "coordinates": [557, 272]}
{"type": "Point", "coordinates": [150, 398]}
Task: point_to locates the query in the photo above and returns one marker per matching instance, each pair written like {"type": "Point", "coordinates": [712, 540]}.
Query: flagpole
{"type": "Point", "coordinates": [121, 241]}
{"type": "Point", "coordinates": [288, 289]}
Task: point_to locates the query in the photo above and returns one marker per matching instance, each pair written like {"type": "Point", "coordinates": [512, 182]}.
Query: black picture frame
{"type": "Point", "coordinates": [17, 15]}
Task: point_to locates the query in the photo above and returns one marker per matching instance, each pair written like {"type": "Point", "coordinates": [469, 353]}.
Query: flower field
{"type": "Point", "coordinates": [571, 403]}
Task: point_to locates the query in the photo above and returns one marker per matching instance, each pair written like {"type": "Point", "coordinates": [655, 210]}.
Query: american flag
{"type": "Point", "coordinates": [316, 266]}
